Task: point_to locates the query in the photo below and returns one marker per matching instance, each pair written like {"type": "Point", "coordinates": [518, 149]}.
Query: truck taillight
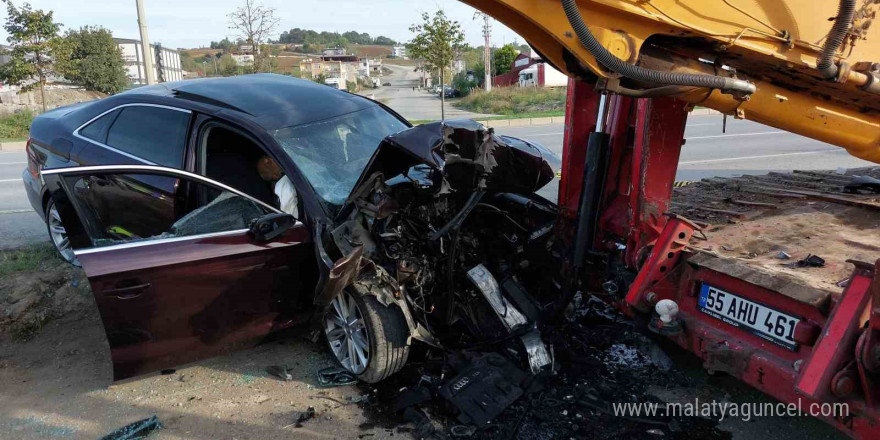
{"type": "Point", "coordinates": [33, 165]}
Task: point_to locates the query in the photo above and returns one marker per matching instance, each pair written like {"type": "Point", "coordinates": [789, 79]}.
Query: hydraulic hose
{"type": "Point", "coordinates": [825, 63]}
{"type": "Point", "coordinates": [611, 62]}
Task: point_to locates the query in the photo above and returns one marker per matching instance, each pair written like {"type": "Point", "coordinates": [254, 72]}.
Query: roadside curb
{"type": "Point", "coordinates": [13, 146]}
{"type": "Point", "coordinates": [548, 120]}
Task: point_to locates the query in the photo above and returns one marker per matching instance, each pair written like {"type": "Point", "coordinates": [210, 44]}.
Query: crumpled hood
{"type": "Point", "coordinates": [464, 150]}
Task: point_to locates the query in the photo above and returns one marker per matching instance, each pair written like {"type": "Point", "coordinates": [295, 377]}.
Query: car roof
{"type": "Point", "coordinates": [273, 101]}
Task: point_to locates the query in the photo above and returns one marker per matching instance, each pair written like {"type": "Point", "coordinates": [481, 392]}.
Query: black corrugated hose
{"type": "Point", "coordinates": [825, 63]}
{"type": "Point", "coordinates": [611, 62]}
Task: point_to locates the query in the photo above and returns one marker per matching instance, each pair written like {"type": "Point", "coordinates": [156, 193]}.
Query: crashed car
{"type": "Point", "coordinates": [431, 233]}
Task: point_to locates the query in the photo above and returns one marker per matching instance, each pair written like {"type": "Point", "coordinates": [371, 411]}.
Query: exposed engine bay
{"type": "Point", "coordinates": [445, 223]}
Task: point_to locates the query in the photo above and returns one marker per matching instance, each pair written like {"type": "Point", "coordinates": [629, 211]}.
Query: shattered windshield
{"type": "Point", "coordinates": [332, 153]}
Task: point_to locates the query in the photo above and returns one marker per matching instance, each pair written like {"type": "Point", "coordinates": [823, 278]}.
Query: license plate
{"type": "Point", "coordinates": [760, 320]}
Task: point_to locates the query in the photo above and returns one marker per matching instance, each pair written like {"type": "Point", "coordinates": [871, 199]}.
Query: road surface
{"type": "Point", "coordinates": [413, 104]}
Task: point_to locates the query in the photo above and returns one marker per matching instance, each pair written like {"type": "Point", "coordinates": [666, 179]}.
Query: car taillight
{"type": "Point", "coordinates": [33, 165]}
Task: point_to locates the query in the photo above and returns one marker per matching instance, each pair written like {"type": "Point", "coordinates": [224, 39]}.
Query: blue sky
{"type": "Point", "coordinates": [193, 23]}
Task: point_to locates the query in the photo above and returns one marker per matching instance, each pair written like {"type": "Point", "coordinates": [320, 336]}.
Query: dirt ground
{"type": "Point", "coordinates": [56, 384]}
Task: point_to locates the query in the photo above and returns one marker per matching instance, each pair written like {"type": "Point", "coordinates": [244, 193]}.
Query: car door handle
{"type": "Point", "coordinates": [127, 292]}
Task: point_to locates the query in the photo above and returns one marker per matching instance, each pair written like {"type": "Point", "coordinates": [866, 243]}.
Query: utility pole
{"type": "Point", "coordinates": [145, 44]}
{"type": "Point", "coordinates": [487, 55]}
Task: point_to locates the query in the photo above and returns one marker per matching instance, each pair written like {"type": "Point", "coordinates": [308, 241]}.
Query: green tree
{"type": "Point", "coordinates": [503, 58]}
{"type": "Point", "coordinates": [93, 60]}
{"type": "Point", "coordinates": [224, 44]}
{"type": "Point", "coordinates": [227, 65]}
{"type": "Point", "coordinates": [437, 42]}
{"type": "Point", "coordinates": [382, 40]}
{"type": "Point", "coordinates": [33, 35]}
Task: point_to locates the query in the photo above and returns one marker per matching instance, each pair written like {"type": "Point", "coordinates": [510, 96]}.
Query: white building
{"type": "Point", "coordinates": [398, 51]}
{"type": "Point", "coordinates": [243, 59]}
{"type": "Point", "coordinates": [333, 51]}
{"type": "Point", "coordinates": [166, 62]}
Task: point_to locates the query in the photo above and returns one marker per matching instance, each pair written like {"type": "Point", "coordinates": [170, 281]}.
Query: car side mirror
{"type": "Point", "coordinates": [270, 226]}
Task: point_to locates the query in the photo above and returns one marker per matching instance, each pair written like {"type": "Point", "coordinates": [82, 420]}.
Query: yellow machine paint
{"type": "Point", "coordinates": [772, 43]}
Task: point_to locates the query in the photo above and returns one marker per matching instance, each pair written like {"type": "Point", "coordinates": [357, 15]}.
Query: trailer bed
{"type": "Point", "coordinates": [754, 222]}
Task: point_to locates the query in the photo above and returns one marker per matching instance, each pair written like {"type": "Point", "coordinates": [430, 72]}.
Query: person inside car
{"type": "Point", "coordinates": [270, 171]}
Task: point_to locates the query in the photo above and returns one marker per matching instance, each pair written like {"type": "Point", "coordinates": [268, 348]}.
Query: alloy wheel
{"type": "Point", "coordinates": [346, 332]}
{"type": "Point", "coordinates": [59, 236]}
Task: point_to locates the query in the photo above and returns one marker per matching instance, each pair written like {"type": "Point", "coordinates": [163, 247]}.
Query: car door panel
{"type": "Point", "coordinates": [168, 301]}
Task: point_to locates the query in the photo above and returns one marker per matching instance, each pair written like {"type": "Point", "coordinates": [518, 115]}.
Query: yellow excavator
{"type": "Point", "coordinates": [636, 68]}
{"type": "Point", "coordinates": [809, 67]}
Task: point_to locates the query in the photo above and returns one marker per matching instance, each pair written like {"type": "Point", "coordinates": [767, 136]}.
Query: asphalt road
{"type": "Point", "coordinates": [413, 104]}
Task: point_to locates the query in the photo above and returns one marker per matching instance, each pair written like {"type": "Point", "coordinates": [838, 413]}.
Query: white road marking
{"type": "Point", "coordinates": [728, 159]}
{"type": "Point", "coordinates": [10, 180]}
{"type": "Point", "coordinates": [12, 163]}
{"type": "Point", "coordinates": [16, 211]}
{"type": "Point", "coordinates": [736, 135]}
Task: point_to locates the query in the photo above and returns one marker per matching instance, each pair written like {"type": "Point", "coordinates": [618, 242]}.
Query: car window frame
{"type": "Point", "coordinates": [152, 170]}
{"type": "Point", "coordinates": [76, 132]}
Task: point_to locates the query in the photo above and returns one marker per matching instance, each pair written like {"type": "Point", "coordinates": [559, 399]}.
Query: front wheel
{"type": "Point", "coordinates": [58, 234]}
{"type": "Point", "coordinates": [367, 338]}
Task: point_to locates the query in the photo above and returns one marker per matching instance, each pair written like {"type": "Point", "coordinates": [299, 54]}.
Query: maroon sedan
{"type": "Point", "coordinates": [277, 198]}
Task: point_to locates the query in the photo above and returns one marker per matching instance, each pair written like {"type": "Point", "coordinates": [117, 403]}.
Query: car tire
{"type": "Point", "coordinates": [386, 332]}
{"type": "Point", "coordinates": [58, 234]}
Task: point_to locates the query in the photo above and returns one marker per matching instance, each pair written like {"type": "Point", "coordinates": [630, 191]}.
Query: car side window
{"type": "Point", "coordinates": [156, 134]}
{"type": "Point", "coordinates": [126, 207]}
{"type": "Point", "coordinates": [97, 129]}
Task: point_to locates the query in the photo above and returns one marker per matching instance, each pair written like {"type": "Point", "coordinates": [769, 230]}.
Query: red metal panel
{"type": "Point", "coordinates": [664, 257]}
{"type": "Point", "coordinates": [581, 112]}
{"type": "Point", "coordinates": [765, 366]}
{"type": "Point", "coordinates": [836, 345]}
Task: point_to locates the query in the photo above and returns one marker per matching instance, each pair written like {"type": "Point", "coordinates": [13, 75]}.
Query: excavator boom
{"type": "Point", "coordinates": [777, 46]}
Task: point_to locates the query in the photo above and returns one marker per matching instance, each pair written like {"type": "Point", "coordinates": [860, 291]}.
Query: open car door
{"type": "Point", "coordinates": [175, 273]}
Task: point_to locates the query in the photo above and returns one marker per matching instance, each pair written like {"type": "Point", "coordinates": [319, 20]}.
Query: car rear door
{"type": "Point", "coordinates": [174, 272]}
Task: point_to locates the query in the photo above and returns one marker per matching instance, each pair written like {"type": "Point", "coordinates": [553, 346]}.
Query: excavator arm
{"type": "Point", "coordinates": [810, 67]}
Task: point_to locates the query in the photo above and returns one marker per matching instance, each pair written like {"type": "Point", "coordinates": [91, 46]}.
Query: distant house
{"type": "Point", "coordinates": [459, 66]}
{"type": "Point", "coordinates": [166, 62]}
{"type": "Point", "coordinates": [243, 59]}
{"type": "Point", "coordinates": [529, 70]}
{"type": "Point", "coordinates": [398, 52]}
{"type": "Point", "coordinates": [333, 51]}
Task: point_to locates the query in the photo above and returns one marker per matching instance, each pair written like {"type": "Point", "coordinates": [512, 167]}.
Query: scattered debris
{"type": "Point", "coordinates": [809, 261]}
{"type": "Point", "coordinates": [782, 255]}
{"type": "Point", "coordinates": [860, 184]}
{"type": "Point", "coordinates": [279, 372]}
{"type": "Point", "coordinates": [135, 431]}
{"type": "Point", "coordinates": [308, 415]}
{"type": "Point", "coordinates": [728, 248]}
{"type": "Point", "coordinates": [335, 377]}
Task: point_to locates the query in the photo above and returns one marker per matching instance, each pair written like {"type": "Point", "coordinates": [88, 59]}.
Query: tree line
{"type": "Point", "coordinates": [310, 37]}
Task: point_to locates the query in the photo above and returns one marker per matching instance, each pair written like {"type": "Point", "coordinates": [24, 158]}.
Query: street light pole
{"type": "Point", "coordinates": [145, 44]}
{"type": "Point", "coordinates": [487, 56]}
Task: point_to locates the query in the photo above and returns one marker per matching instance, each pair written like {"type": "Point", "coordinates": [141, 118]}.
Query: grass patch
{"type": "Point", "coordinates": [512, 101]}
{"type": "Point", "coordinates": [16, 126]}
{"type": "Point", "coordinates": [31, 258]}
